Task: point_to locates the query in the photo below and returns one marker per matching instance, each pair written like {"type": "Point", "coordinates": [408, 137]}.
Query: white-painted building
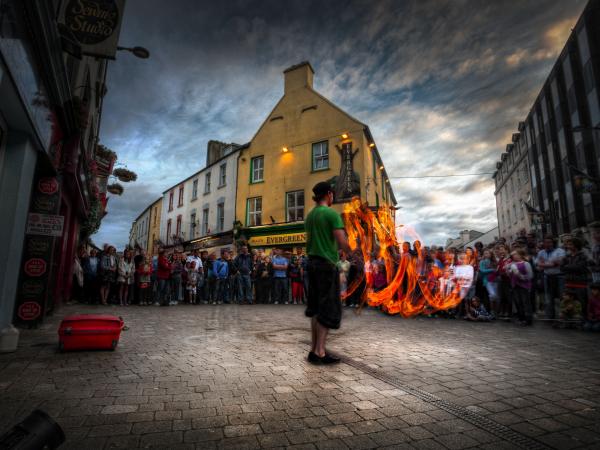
{"type": "Point", "coordinates": [138, 234]}
{"type": "Point", "coordinates": [203, 204]}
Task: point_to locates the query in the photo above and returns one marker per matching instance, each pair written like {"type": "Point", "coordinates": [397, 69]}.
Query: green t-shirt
{"type": "Point", "coordinates": [319, 225]}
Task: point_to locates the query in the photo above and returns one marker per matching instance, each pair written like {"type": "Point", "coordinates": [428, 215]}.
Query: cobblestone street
{"type": "Point", "coordinates": [236, 377]}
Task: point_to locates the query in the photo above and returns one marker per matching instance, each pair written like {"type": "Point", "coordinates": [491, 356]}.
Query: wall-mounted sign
{"type": "Point", "coordinates": [347, 184]}
{"type": "Point", "coordinates": [94, 25]}
{"type": "Point", "coordinates": [34, 297]}
{"type": "Point", "coordinates": [278, 239]}
{"type": "Point", "coordinates": [48, 185]}
{"type": "Point", "coordinates": [45, 224]}
{"type": "Point", "coordinates": [35, 267]}
{"type": "Point", "coordinates": [29, 311]}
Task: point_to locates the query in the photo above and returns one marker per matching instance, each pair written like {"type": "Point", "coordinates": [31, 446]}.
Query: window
{"type": "Point", "coordinates": [171, 201]}
{"type": "Point", "coordinates": [320, 156]}
{"type": "Point", "coordinates": [178, 226]}
{"type": "Point", "coordinates": [180, 201]}
{"type": "Point", "coordinates": [192, 225]}
{"type": "Point", "coordinates": [168, 231]}
{"type": "Point", "coordinates": [254, 208]}
{"type": "Point", "coordinates": [257, 169]}
{"type": "Point", "coordinates": [155, 215]}
{"type": "Point", "coordinates": [207, 183]}
{"type": "Point", "coordinates": [295, 206]}
{"type": "Point", "coordinates": [220, 216]}
{"type": "Point", "coordinates": [205, 229]}
{"type": "Point", "coordinates": [222, 175]}
{"type": "Point", "coordinates": [195, 189]}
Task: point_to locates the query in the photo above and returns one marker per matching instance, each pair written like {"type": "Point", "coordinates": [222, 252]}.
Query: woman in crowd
{"type": "Point", "coordinates": [344, 270]}
{"type": "Point", "coordinates": [521, 276]}
{"type": "Point", "coordinates": [125, 276]}
{"type": "Point", "coordinates": [262, 273]}
{"type": "Point", "coordinates": [108, 265]}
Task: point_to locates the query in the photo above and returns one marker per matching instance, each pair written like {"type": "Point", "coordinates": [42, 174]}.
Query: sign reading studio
{"type": "Point", "coordinates": [94, 24]}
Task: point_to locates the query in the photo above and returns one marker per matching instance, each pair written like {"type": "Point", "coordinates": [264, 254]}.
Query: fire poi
{"type": "Point", "coordinates": [412, 288]}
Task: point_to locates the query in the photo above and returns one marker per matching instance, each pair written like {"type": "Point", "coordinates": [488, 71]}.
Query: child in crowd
{"type": "Point", "coordinates": [476, 312]}
{"type": "Point", "coordinates": [570, 308]}
{"type": "Point", "coordinates": [192, 281]}
{"type": "Point", "coordinates": [379, 279]}
{"type": "Point", "coordinates": [144, 271]}
{"type": "Point", "coordinates": [295, 273]}
{"type": "Point", "coordinates": [593, 309]}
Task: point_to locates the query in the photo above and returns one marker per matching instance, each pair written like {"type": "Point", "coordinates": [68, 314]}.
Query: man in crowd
{"type": "Point", "coordinates": [280, 281]}
{"type": "Point", "coordinates": [243, 263]}
{"type": "Point", "coordinates": [221, 269]}
{"type": "Point", "coordinates": [548, 262]}
{"type": "Point", "coordinates": [325, 236]}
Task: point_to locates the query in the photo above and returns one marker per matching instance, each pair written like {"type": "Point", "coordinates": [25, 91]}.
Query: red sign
{"type": "Point", "coordinates": [35, 267]}
{"type": "Point", "coordinates": [48, 186]}
{"type": "Point", "coordinates": [29, 311]}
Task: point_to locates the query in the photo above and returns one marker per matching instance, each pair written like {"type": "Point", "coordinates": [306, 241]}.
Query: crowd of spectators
{"type": "Point", "coordinates": [524, 280]}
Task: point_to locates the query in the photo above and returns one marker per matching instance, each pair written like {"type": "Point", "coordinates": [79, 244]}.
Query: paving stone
{"type": "Point", "coordinates": [232, 383]}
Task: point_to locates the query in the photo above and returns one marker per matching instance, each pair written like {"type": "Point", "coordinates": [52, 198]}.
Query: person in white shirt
{"type": "Point", "coordinates": [463, 275]}
{"type": "Point", "coordinates": [194, 257]}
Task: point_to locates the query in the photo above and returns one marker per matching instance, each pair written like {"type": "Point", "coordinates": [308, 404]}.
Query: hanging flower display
{"type": "Point", "coordinates": [115, 188]}
{"type": "Point", "coordinates": [105, 153]}
{"type": "Point", "coordinates": [125, 175]}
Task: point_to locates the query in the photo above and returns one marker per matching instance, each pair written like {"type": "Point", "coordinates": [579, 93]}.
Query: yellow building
{"type": "Point", "coordinates": [304, 140]}
{"type": "Point", "coordinates": [154, 228]}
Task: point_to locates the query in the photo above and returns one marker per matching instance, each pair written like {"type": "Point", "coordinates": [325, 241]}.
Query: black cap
{"type": "Point", "coordinates": [321, 189]}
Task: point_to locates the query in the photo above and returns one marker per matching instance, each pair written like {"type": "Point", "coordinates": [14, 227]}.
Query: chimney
{"type": "Point", "coordinates": [465, 236]}
{"type": "Point", "coordinates": [298, 76]}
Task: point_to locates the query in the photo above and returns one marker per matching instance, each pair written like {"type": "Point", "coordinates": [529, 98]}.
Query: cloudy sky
{"type": "Point", "coordinates": [442, 85]}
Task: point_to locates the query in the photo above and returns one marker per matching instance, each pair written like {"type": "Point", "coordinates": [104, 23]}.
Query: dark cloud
{"type": "Point", "coordinates": [442, 84]}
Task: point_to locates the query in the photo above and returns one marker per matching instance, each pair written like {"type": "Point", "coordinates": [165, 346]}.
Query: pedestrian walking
{"type": "Point", "coordinates": [325, 234]}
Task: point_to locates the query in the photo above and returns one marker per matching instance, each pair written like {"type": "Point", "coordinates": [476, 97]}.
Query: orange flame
{"type": "Point", "coordinates": [412, 287]}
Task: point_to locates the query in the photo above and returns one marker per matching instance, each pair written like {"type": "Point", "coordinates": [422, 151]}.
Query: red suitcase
{"type": "Point", "coordinates": [89, 332]}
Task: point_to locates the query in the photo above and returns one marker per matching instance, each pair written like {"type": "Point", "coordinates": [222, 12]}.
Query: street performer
{"type": "Point", "coordinates": [324, 235]}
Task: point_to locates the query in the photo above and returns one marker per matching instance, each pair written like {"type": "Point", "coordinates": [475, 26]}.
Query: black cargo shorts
{"type": "Point", "coordinates": [324, 300]}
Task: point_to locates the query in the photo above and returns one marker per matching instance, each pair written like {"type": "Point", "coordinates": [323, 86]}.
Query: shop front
{"type": "Point", "coordinates": [288, 236]}
{"type": "Point", "coordinates": [212, 244]}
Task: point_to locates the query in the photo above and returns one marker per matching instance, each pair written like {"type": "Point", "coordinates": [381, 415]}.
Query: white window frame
{"type": "Point", "coordinates": [322, 156]}
{"type": "Point", "coordinates": [254, 215]}
{"type": "Point", "coordinates": [220, 216]}
{"type": "Point", "coordinates": [195, 189]}
{"type": "Point", "coordinates": [257, 174]}
{"type": "Point", "coordinates": [205, 216]}
{"type": "Point", "coordinates": [295, 208]}
{"type": "Point", "coordinates": [222, 175]}
{"type": "Point", "coordinates": [207, 183]}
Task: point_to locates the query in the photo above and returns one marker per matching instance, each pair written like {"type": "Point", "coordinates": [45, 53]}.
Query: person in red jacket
{"type": "Point", "coordinates": [163, 274]}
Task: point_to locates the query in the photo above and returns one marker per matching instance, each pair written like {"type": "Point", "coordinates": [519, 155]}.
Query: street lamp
{"type": "Point", "coordinates": [140, 52]}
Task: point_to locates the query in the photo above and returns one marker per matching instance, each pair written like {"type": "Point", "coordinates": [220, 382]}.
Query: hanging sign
{"type": "Point", "coordinates": [94, 25]}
